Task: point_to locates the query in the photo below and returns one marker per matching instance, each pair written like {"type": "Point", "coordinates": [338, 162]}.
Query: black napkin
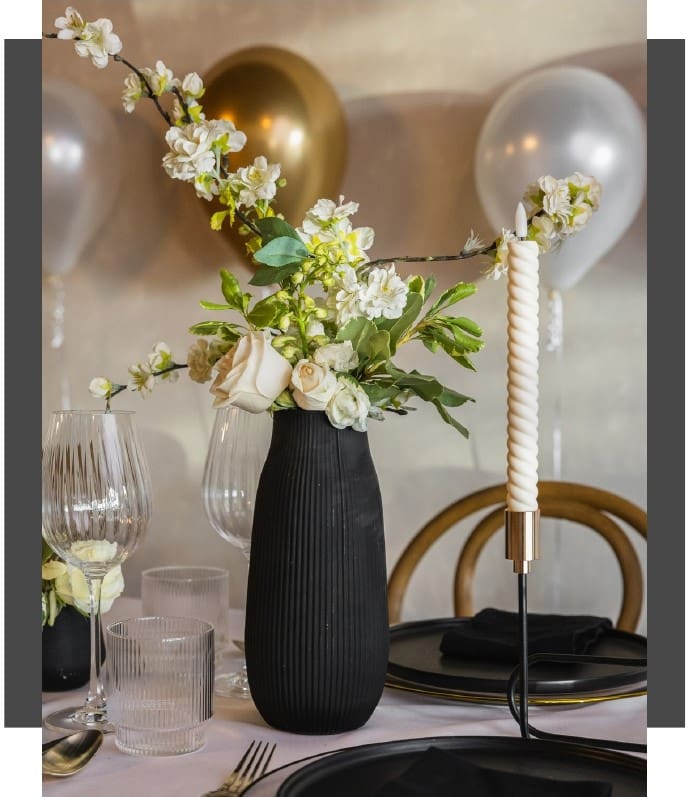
{"type": "Point", "coordinates": [492, 634]}
{"type": "Point", "coordinates": [442, 773]}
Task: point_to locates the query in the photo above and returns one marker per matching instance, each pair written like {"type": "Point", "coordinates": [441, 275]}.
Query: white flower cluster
{"type": "Point", "coordinates": [142, 375]}
{"type": "Point", "coordinates": [380, 293]}
{"type": "Point", "coordinates": [558, 208]}
{"type": "Point", "coordinates": [95, 40]}
{"type": "Point", "coordinates": [327, 231]}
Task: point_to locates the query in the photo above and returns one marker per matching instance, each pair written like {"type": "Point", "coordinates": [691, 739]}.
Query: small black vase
{"type": "Point", "coordinates": [65, 651]}
{"type": "Point", "coordinates": [317, 634]}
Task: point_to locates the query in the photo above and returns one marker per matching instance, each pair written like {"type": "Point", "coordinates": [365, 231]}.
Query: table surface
{"type": "Point", "coordinates": [399, 715]}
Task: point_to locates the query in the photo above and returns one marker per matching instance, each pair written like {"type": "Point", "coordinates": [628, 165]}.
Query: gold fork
{"type": "Point", "coordinates": [252, 765]}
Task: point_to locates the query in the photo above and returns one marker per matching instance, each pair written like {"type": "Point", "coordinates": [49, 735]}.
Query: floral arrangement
{"type": "Point", "coordinates": [65, 585]}
{"type": "Point", "coordinates": [326, 339]}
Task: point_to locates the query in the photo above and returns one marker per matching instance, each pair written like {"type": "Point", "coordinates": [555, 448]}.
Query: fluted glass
{"type": "Point", "coordinates": [161, 679]}
{"type": "Point", "coordinates": [237, 450]}
{"type": "Point", "coordinates": [96, 506]}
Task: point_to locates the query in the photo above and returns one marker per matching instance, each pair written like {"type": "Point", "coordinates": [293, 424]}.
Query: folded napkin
{"type": "Point", "coordinates": [443, 773]}
{"type": "Point", "coordinates": [492, 634]}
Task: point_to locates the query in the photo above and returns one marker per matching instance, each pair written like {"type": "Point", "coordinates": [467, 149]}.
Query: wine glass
{"type": "Point", "coordinates": [237, 450]}
{"type": "Point", "coordinates": [96, 504]}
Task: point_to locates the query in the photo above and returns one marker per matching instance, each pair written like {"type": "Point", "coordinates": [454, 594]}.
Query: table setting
{"type": "Point", "coordinates": [311, 690]}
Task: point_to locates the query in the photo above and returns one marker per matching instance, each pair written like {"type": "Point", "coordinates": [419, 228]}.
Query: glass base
{"type": "Point", "coordinates": [78, 718]}
{"type": "Point", "coordinates": [233, 684]}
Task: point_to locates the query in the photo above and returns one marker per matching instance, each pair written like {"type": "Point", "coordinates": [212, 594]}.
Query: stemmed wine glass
{"type": "Point", "coordinates": [237, 450]}
{"type": "Point", "coordinates": [96, 504]}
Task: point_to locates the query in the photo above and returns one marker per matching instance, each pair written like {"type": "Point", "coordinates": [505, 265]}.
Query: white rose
{"type": "Point", "coordinates": [72, 588]}
{"type": "Point", "coordinates": [349, 406]}
{"type": "Point", "coordinates": [313, 384]}
{"type": "Point", "coordinates": [52, 569]}
{"type": "Point", "coordinates": [251, 376]}
{"type": "Point", "coordinates": [338, 356]}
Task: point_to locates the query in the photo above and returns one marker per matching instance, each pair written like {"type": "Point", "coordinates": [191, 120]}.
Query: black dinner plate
{"type": "Point", "coordinates": [364, 770]}
{"type": "Point", "coordinates": [414, 655]}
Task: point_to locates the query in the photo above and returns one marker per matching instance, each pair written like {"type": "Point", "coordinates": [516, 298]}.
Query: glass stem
{"type": "Point", "coordinates": [96, 701]}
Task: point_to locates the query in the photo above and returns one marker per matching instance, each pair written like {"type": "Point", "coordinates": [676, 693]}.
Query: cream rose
{"type": "Point", "coordinates": [349, 406]}
{"type": "Point", "coordinates": [339, 356]}
{"type": "Point", "coordinates": [251, 376]}
{"type": "Point", "coordinates": [313, 385]}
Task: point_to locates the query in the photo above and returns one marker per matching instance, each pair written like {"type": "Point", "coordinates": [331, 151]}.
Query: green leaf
{"type": "Point", "coordinates": [451, 398]}
{"type": "Point", "coordinates": [399, 326]}
{"type": "Point", "coordinates": [265, 275]}
{"type": "Point", "coordinates": [416, 284]}
{"type": "Point", "coordinates": [358, 332]}
{"type": "Point", "coordinates": [466, 324]}
{"type": "Point", "coordinates": [447, 418]}
{"type": "Point", "coordinates": [206, 328]}
{"type": "Point", "coordinates": [214, 306]}
{"type": "Point", "coordinates": [380, 394]}
{"type": "Point", "coordinates": [272, 227]}
{"type": "Point", "coordinates": [451, 296]}
{"type": "Point", "coordinates": [377, 348]}
{"type": "Point", "coordinates": [265, 311]}
{"type": "Point", "coordinates": [430, 284]}
{"type": "Point", "coordinates": [449, 345]}
{"type": "Point", "coordinates": [427, 387]}
{"type": "Point", "coordinates": [282, 251]}
{"type": "Point", "coordinates": [230, 288]}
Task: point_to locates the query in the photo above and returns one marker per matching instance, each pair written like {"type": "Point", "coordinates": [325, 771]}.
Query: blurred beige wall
{"type": "Point", "coordinates": [416, 81]}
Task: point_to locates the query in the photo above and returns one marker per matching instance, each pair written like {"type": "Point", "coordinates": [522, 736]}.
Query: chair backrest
{"type": "Point", "coordinates": [580, 503]}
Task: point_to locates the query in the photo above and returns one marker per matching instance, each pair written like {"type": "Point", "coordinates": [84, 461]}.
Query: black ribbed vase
{"type": "Point", "coordinates": [317, 636]}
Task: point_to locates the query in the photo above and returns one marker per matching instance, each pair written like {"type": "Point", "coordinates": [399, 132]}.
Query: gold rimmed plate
{"type": "Point", "coordinates": [416, 665]}
{"type": "Point", "coordinates": [366, 769]}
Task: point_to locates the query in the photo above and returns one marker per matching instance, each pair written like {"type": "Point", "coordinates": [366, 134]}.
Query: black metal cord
{"type": "Point", "coordinates": [520, 673]}
{"type": "Point", "coordinates": [522, 667]}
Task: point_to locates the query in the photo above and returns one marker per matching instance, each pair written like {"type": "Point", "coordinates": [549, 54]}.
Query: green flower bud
{"type": "Point", "coordinates": [284, 323]}
{"type": "Point", "coordinates": [321, 313]}
{"type": "Point", "coordinates": [297, 278]}
{"type": "Point", "coordinates": [309, 303]}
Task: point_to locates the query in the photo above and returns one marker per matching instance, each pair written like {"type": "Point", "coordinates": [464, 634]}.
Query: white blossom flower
{"type": "Point", "coordinates": [312, 385]}
{"type": "Point", "coordinates": [132, 92]}
{"type": "Point", "coordinates": [192, 86]}
{"type": "Point", "coordinates": [191, 152]}
{"type": "Point", "coordinates": [338, 356]}
{"type": "Point", "coordinates": [100, 387]}
{"type": "Point", "coordinates": [545, 232]}
{"type": "Point", "coordinates": [500, 263]}
{"type": "Point", "coordinates": [225, 137]}
{"type": "Point", "coordinates": [344, 300]}
{"type": "Point", "coordinates": [315, 329]}
{"type": "Point", "coordinates": [349, 406]}
{"type": "Point", "coordinates": [207, 186]}
{"type": "Point", "coordinates": [160, 79]}
{"type": "Point", "coordinates": [257, 181]}
{"type": "Point", "coordinates": [588, 189]}
{"type": "Point", "coordinates": [160, 357]}
{"type": "Point", "coordinates": [71, 25]}
{"type": "Point", "coordinates": [325, 212]}
{"type": "Point", "coordinates": [384, 295]}
{"type": "Point", "coordinates": [556, 200]}
{"type": "Point", "coordinates": [98, 42]}
{"type": "Point", "coordinates": [141, 379]}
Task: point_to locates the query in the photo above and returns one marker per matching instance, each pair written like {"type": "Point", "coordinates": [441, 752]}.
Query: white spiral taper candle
{"type": "Point", "coordinates": [523, 369]}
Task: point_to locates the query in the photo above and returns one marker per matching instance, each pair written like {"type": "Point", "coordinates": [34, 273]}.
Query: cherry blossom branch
{"type": "Point", "coordinates": [150, 93]}
{"type": "Point", "coordinates": [464, 255]}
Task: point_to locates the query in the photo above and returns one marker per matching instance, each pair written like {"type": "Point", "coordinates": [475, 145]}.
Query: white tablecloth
{"type": "Point", "coordinates": [399, 715]}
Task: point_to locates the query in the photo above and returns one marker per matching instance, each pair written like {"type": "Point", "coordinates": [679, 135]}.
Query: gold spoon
{"type": "Point", "coordinates": [69, 754]}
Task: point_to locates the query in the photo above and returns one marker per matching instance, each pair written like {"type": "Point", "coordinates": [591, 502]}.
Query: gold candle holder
{"type": "Point", "coordinates": [521, 538]}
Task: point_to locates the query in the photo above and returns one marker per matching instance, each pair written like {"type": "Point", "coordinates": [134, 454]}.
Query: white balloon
{"type": "Point", "coordinates": [80, 172]}
{"type": "Point", "coordinates": [557, 121]}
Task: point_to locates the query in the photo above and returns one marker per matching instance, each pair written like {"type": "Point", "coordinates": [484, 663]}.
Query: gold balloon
{"type": "Point", "coordinates": [290, 114]}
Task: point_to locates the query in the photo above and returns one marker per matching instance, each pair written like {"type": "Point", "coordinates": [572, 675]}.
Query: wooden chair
{"type": "Point", "coordinates": [586, 505]}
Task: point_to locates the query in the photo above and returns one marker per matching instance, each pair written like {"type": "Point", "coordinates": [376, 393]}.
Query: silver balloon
{"type": "Point", "coordinates": [557, 121]}
{"type": "Point", "coordinates": [80, 172]}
